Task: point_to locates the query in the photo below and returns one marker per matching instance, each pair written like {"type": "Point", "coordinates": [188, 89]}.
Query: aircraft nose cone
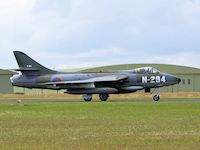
{"type": "Point", "coordinates": [173, 79]}
{"type": "Point", "coordinates": [179, 80]}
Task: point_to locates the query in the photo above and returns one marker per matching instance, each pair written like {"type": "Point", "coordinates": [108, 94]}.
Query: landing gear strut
{"type": "Point", "coordinates": [87, 97]}
{"type": "Point", "coordinates": [156, 97]}
{"type": "Point", "coordinates": [103, 97]}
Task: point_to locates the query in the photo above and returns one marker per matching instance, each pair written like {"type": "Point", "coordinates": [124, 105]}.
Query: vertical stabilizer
{"type": "Point", "coordinates": [28, 66]}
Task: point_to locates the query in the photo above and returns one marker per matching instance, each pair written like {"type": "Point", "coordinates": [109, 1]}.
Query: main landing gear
{"type": "Point", "coordinates": [156, 97]}
{"type": "Point", "coordinates": [103, 97]}
{"type": "Point", "coordinates": [88, 97]}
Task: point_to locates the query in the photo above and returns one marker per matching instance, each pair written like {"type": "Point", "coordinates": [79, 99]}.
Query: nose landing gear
{"type": "Point", "coordinates": [156, 97]}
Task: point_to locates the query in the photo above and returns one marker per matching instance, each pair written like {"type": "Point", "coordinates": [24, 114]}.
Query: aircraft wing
{"type": "Point", "coordinates": [107, 78]}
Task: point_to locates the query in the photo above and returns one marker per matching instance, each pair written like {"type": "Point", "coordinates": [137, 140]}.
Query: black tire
{"type": "Point", "coordinates": [103, 97]}
{"type": "Point", "coordinates": [87, 97]}
{"type": "Point", "coordinates": [156, 98]}
{"type": "Point", "coordinates": [88, 100]}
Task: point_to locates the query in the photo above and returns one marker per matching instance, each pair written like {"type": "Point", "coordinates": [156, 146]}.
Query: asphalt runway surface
{"type": "Point", "coordinates": [75, 101]}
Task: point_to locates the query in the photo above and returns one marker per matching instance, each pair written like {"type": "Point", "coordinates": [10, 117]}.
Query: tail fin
{"type": "Point", "coordinates": [28, 66]}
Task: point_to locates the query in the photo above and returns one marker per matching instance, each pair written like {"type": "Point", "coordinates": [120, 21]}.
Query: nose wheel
{"type": "Point", "coordinates": [156, 97]}
{"type": "Point", "coordinates": [103, 97]}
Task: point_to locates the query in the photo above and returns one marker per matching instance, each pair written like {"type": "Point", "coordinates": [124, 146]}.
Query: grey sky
{"type": "Point", "coordinates": [84, 33]}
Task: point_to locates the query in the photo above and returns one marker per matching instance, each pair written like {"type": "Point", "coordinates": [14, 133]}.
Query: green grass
{"type": "Point", "coordinates": [132, 96]}
{"type": "Point", "coordinates": [90, 126]}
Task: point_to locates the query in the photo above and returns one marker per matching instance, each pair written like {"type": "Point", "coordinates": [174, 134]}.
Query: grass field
{"type": "Point", "coordinates": [110, 126]}
{"type": "Point", "coordinates": [132, 96]}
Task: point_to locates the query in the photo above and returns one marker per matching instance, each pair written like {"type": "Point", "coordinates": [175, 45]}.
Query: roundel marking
{"type": "Point", "coordinates": [56, 79]}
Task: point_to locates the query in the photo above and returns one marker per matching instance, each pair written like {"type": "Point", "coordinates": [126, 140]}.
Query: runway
{"type": "Point", "coordinates": [115, 101]}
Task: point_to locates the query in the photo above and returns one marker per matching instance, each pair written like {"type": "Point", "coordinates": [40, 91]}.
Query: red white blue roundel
{"type": "Point", "coordinates": [56, 79]}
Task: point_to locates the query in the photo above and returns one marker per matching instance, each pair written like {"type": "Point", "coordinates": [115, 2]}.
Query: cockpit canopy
{"type": "Point", "coordinates": [145, 70]}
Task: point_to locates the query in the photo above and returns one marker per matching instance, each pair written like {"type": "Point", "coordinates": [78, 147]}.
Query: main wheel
{"type": "Point", "coordinates": [87, 97]}
{"type": "Point", "coordinates": [103, 97]}
{"type": "Point", "coordinates": [156, 98]}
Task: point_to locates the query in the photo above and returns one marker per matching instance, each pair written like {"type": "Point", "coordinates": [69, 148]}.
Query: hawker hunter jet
{"type": "Point", "coordinates": [34, 75]}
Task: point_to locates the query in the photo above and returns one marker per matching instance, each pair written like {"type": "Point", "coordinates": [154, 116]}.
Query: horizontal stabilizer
{"type": "Point", "coordinates": [27, 69]}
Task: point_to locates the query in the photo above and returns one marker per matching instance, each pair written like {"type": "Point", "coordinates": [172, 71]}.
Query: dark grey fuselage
{"type": "Point", "coordinates": [34, 75]}
{"type": "Point", "coordinates": [124, 86]}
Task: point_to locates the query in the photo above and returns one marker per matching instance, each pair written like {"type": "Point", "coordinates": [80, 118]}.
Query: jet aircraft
{"type": "Point", "coordinates": [34, 75]}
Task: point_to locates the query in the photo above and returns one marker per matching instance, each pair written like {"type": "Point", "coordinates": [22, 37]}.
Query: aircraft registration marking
{"type": "Point", "coordinates": [153, 79]}
{"type": "Point", "coordinates": [29, 66]}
